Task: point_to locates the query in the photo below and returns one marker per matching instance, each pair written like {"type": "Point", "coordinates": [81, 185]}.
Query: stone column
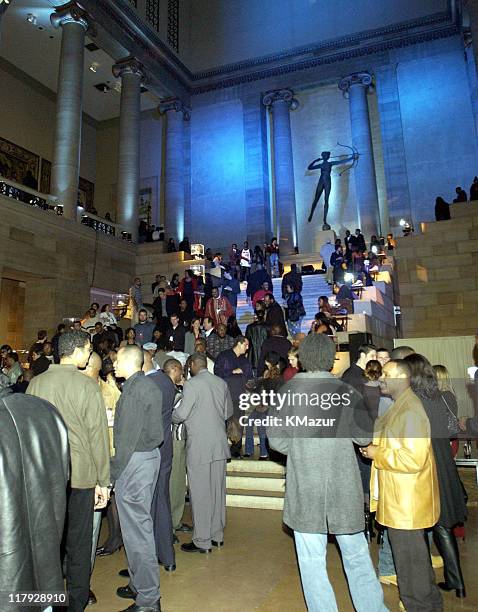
{"type": "Point", "coordinates": [132, 74]}
{"type": "Point", "coordinates": [356, 86]}
{"type": "Point", "coordinates": [175, 114]}
{"type": "Point", "coordinates": [281, 102]}
{"type": "Point", "coordinates": [71, 18]}
{"type": "Point", "coordinates": [393, 145]}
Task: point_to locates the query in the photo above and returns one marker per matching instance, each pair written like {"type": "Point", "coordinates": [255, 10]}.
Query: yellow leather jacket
{"type": "Point", "coordinates": [403, 474]}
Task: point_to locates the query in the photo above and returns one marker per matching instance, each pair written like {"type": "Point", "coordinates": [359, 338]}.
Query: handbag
{"type": "Point", "coordinates": [453, 424]}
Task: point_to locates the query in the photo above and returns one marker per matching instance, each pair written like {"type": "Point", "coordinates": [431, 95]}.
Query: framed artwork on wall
{"type": "Point", "coordinates": [86, 194]}
{"type": "Point", "coordinates": [19, 164]}
{"type": "Point", "coordinates": [45, 176]}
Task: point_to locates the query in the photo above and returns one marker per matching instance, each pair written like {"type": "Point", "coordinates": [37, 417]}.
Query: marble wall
{"type": "Point", "coordinates": [218, 200]}
{"type": "Point", "coordinates": [217, 32]}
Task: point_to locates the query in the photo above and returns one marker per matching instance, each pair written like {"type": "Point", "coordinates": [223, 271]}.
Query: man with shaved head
{"type": "Point", "coordinates": [404, 487]}
{"type": "Point", "coordinates": [138, 434]}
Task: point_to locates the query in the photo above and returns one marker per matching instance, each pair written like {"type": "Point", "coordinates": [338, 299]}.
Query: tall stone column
{"type": "Point", "coordinates": [281, 102]}
{"type": "Point", "coordinates": [71, 18]}
{"type": "Point", "coordinates": [175, 114]}
{"type": "Point", "coordinates": [356, 86]}
{"type": "Point", "coordinates": [132, 74]}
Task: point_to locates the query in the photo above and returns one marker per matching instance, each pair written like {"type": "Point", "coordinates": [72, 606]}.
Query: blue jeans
{"type": "Point", "coordinates": [365, 589]}
{"type": "Point", "coordinates": [261, 430]}
{"type": "Point", "coordinates": [386, 566]}
{"type": "Point", "coordinates": [274, 264]}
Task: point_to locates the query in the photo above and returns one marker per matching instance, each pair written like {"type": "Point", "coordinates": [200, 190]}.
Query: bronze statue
{"type": "Point", "coordinates": [325, 181]}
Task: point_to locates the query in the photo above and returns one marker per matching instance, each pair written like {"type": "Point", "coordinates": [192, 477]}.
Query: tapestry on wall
{"type": "Point", "coordinates": [45, 176]}
{"type": "Point", "coordinates": [18, 164]}
{"type": "Point", "coordinates": [86, 194]}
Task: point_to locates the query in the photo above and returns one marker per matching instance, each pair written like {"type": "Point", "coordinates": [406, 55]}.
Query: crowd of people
{"type": "Point", "coordinates": [158, 408]}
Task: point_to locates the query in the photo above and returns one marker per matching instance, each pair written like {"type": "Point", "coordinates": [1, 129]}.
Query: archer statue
{"type": "Point", "coordinates": [325, 181]}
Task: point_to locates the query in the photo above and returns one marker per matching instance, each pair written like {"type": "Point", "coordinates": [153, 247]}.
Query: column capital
{"type": "Point", "coordinates": [285, 95]}
{"type": "Point", "coordinates": [174, 104]}
{"type": "Point", "coordinates": [70, 13]}
{"type": "Point", "coordinates": [364, 79]}
{"type": "Point", "coordinates": [129, 65]}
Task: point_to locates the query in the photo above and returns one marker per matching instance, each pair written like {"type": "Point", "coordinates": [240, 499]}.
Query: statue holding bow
{"type": "Point", "coordinates": [325, 166]}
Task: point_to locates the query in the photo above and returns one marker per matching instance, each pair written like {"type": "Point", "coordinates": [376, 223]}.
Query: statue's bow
{"type": "Point", "coordinates": [356, 155]}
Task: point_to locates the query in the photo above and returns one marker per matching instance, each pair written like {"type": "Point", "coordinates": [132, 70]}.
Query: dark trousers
{"type": "Point", "coordinates": [78, 544]}
{"type": "Point", "coordinates": [161, 509]}
{"type": "Point", "coordinates": [415, 575]}
{"type": "Point", "coordinates": [134, 495]}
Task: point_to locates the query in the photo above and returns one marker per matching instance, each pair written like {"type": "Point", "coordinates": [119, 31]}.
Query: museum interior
{"type": "Point", "coordinates": [156, 156]}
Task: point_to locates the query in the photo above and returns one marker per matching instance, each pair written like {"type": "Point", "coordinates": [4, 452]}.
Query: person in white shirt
{"type": "Point", "coordinates": [245, 261]}
{"type": "Point", "coordinates": [107, 317]}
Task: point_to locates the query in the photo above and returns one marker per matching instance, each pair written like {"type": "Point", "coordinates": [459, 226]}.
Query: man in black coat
{"type": "Point", "coordinates": [161, 508]}
{"type": "Point", "coordinates": [274, 313]}
{"type": "Point", "coordinates": [176, 333]}
{"type": "Point", "coordinates": [256, 280]}
{"type": "Point", "coordinates": [276, 343]}
{"type": "Point", "coordinates": [256, 333]}
{"type": "Point", "coordinates": [292, 278]}
{"type": "Point", "coordinates": [34, 462]}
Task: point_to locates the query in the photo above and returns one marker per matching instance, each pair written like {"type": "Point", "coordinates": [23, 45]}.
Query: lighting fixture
{"type": "Point", "coordinates": [31, 18]}
{"type": "Point", "coordinates": [94, 66]}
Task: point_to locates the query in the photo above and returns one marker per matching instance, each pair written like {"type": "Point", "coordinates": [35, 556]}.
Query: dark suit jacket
{"type": "Point", "coordinates": [178, 335]}
{"type": "Point", "coordinates": [278, 344]}
{"type": "Point", "coordinates": [168, 390]}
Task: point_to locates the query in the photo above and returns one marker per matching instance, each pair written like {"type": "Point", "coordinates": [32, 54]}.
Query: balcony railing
{"type": "Point", "coordinates": [49, 203]}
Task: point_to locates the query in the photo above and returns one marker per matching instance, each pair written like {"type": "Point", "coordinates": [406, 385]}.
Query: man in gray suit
{"type": "Point", "coordinates": [205, 407]}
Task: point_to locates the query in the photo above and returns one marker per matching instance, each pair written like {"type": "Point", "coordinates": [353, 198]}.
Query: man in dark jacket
{"type": "Point", "coordinates": [256, 333]}
{"type": "Point", "coordinates": [161, 508]}
{"type": "Point", "coordinates": [355, 374]}
{"type": "Point", "coordinates": [256, 280]}
{"type": "Point", "coordinates": [234, 367]}
{"type": "Point", "coordinates": [137, 434]}
{"type": "Point", "coordinates": [294, 279]}
{"type": "Point", "coordinates": [274, 313]}
{"type": "Point", "coordinates": [277, 343]}
{"type": "Point", "coordinates": [33, 481]}
{"type": "Point", "coordinates": [176, 333]}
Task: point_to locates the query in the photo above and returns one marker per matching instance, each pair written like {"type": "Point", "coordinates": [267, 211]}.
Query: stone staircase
{"type": "Point", "coordinates": [313, 286]}
{"type": "Point", "coordinates": [251, 483]}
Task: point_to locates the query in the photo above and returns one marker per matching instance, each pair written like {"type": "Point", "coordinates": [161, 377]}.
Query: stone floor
{"type": "Point", "coordinates": [257, 570]}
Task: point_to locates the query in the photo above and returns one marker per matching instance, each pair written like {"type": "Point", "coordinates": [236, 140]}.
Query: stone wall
{"type": "Point", "coordinates": [58, 260]}
{"type": "Point", "coordinates": [438, 276]}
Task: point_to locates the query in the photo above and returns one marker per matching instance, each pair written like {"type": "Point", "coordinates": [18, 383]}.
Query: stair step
{"type": "Point", "coordinates": [254, 466]}
{"type": "Point", "coordinates": [259, 500]}
{"type": "Point", "coordinates": [255, 482]}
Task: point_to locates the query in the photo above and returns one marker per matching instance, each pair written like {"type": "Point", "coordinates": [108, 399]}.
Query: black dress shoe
{"type": "Point", "coordinates": [126, 592]}
{"type": "Point", "coordinates": [123, 573]}
{"type": "Point", "coordinates": [105, 551]}
{"type": "Point", "coordinates": [175, 539]}
{"type": "Point", "coordinates": [168, 568]}
{"type": "Point", "coordinates": [184, 528]}
{"type": "Point", "coordinates": [135, 608]}
{"type": "Point", "coordinates": [192, 548]}
{"type": "Point", "coordinates": [217, 544]}
{"type": "Point", "coordinates": [460, 593]}
{"type": "Point", "coordinates": [92, 598]}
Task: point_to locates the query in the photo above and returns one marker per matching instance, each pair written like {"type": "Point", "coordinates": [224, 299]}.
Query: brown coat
{"type": "Point", "coordinates": [404, 467]}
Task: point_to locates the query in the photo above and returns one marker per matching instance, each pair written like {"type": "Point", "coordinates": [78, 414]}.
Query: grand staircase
{"type": "Point", "coordinates": [313, 286]}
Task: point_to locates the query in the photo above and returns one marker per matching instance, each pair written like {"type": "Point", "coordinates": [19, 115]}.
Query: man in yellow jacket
{"type": "Point", "coordinates": [404, 488]}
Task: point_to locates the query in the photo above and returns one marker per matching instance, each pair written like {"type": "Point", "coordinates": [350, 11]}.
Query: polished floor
{"type": "Point", "coordinates": [257, 570]}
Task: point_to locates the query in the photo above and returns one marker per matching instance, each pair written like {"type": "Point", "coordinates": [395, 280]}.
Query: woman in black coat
{"type": "Point", "coordinates": [452, 499]}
